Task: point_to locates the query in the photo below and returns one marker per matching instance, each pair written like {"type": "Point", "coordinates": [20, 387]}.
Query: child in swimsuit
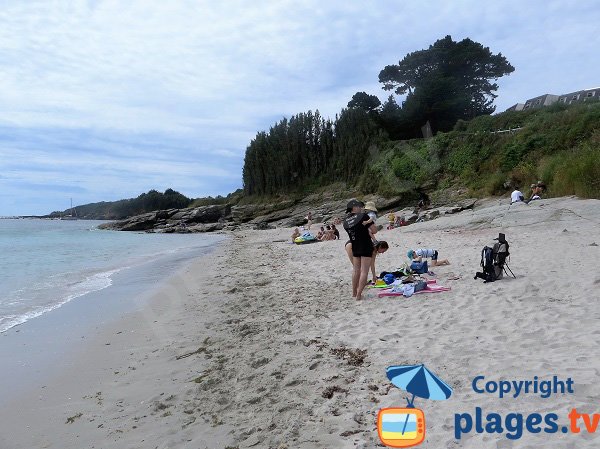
{"type": "Point", "coordinates": [422, 253]}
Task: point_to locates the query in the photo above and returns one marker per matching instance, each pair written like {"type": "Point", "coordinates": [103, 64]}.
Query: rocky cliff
{"type": "Point", "coordinates": [262, 216]}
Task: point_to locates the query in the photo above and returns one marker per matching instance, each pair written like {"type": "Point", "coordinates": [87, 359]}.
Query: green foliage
{"type": "Point", "coordinates": [575, 172]}
{"type": "Point", "coordinates": [494, 185]}
{"type": "Point", "coordinates": [151, 201]}
{"type": "Point", "coordinates": [116, 210]}
{"type": "Point", "coordinates": [232, 198]}
{"type": "Point", "coordinates": [417, 162]}
{"type": "Point", "coordinates": [512, 155]}
{"type": "Point", "coordinates": [447, 82]}
{"type": "Point", "coordinates": [557, 145]}
{"type": "Point", "coordinates": [405, 168]}
{"type": "Point", "coordinates": [376, 147]}
{"type": "Point", "coordinates": [301, 153]}
{"type": "Point", "coordinates": [364, 101]}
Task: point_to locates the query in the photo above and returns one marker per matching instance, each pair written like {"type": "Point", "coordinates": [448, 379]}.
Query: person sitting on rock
{"type": "Point", "coordinates": [536, 191]}
{"type": "Point", "coordinates": [517, 196]}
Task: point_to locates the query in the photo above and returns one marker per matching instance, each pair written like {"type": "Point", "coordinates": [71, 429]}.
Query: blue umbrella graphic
{"type": "Point", "coordinates": [419, 381]}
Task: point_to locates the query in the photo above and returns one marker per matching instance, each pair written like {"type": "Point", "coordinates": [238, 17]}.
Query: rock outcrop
{"type": "Point", "coordinates": [287, 213]}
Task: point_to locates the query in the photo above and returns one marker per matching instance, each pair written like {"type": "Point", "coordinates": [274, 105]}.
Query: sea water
{"type": "Point", "coordinates": [45, 264]}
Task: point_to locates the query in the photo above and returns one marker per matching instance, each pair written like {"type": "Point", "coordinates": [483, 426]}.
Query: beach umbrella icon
{"type": "Point", "coordinates": [419, 381]}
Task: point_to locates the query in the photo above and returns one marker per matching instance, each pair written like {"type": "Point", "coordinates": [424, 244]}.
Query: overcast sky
{"type": "Point", "coordinates": [103, 100]}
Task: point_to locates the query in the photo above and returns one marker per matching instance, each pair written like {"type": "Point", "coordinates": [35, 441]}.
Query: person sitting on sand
{"type": "Point", "coordinates": [360, 228]}
{"type": "Point", "coordinates": [421, 253]}
{"type": "Point", "coordinates": [330, 233]}
{"type": "Point", "coordinates": [336, 232]}
{"type": "Point", "coordinates": [327, 234]}
{"type": "Point", "coordinates": [516, 196]}
{"type": "Point", "coordinates": [534, 193]}
{"type": "Point", "coordinates": [321, 233]}
{"type": "Point", "coordinates": [391, 220]}
{"type": "Point", "coordinates": [295, 234]}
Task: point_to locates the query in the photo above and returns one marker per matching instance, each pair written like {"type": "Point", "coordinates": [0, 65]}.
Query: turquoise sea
{"type": "Point", "coordinates": [44, 264]}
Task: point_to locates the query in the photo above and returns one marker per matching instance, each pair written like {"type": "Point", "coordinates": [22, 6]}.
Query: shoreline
{"type": "Point", "coordinates": [277, 355]}
{"type": "Point", "coordinates": [41, 344]}
{"type": "Point", "coordinates": [53, 264]}
{"type": "Point", "coordinates": [112, 351]}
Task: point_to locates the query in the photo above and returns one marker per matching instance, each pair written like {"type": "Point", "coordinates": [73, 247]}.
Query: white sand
{"type": "Point", "coordinates": [268, 316]}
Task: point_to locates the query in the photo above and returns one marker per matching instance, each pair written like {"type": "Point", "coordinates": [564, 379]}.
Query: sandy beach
{"type": "Point", "coordinates": [260, 344]}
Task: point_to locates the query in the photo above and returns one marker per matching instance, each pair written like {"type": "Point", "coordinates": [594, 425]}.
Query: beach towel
{"type": "Point", "coordinates": [429, 289]}
{"type": "Point", "coordinates": [397, 282]}
{"type": "Point", "coordinates": [402, 289]}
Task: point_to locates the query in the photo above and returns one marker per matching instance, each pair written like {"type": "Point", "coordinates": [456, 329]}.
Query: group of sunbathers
{"type": "Point", "coordinates": [328, 232]}
{"type": "Point", "coordinates": [536, 190]}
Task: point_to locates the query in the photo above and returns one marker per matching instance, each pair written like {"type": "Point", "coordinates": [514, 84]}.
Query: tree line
{"type": "Point", "coordinates": [447, 82]}
{"type": "Point", "coordinates": [307, 149]}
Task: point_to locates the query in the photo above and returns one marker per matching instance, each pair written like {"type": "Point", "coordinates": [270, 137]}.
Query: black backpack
{"type": "Point", "coordinates": [487, 263]}
{"type": "Point", "coordinates": [492, 262]}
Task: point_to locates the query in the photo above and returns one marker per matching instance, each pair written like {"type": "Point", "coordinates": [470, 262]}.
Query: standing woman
{"type": "Point", "coordinates": [359, 227]}
{"type": "Point", "coordinates": [379, 248]}
{"type": "Point", "coordinates": [308, 220]}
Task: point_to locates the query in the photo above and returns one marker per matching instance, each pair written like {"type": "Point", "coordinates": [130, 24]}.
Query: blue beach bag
{"type": "Point", "coordinates": [419, 267]}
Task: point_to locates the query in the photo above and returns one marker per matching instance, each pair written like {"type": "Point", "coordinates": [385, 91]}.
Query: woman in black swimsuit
{"type": "Point", "coordinates": [358, 224]}
{"type": "Point", "coordinates": [379, 248]}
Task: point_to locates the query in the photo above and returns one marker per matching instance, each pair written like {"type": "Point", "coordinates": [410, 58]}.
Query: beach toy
{"type": "Point", "coordinates": [305, 238]}
{"type": "Point", "coordinates": [380, 283]}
